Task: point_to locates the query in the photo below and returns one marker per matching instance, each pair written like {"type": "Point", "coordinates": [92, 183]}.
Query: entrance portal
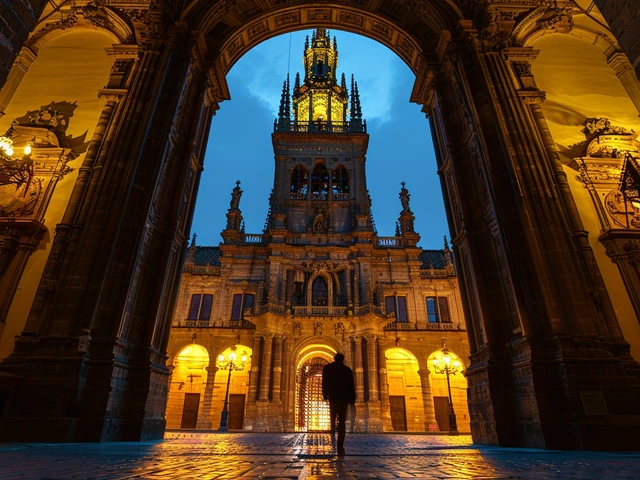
{"type": "Point", "coordinates": [312, 412]}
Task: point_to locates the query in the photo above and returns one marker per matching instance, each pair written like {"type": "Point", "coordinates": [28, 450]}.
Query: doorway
{"type": "Point", "coordinates": [441, 406]}
{"type": "Point", "coordinates": [398, 413]}
{"type": "Point", "coordinates": [312, 411]}
{"type": "Point", "coordinates": [236, 411]}
{"type": "Point", "coordinates": [190, 410]}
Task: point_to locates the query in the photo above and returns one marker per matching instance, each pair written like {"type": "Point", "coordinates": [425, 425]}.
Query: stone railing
{"type": "Point", "coordinates": [406, 326]}
{"type": "Point", "coordinates": [288, 125]}
{"type": "Point", "coordinates": [433, 273]}
{"type": "Point", "coordinates": [317, 310]}
{"type": "Point", "coordinates": [389, 242]}
{"type": "Point", "coordinates": [246, 324]}
{"type": "Point", "coordinates": [202, 269]}
{"type": "Point", "coordinates": [253, 238]}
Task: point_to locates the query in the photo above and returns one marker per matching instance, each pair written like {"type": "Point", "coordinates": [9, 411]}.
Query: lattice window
{"type": "Point", "coordinates": [312, 412]}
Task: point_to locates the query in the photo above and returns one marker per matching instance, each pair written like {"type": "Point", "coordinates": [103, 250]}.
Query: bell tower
{"type": "Point", "coordinates": [320, 144]}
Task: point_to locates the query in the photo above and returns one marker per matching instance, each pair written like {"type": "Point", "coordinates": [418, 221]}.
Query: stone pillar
{"type": "Point", "coordinates": [276, 418]}
{"type": "Point", "coordinates": [262, 405]}
{"type": "Point", "coordinates": [430, 424]}
{"type": "Point", "coordinates": [623, 69]}
{"type": "Point", "coordinates": [252, 391]}
{"type": "Point", "coordinates": [277, 368]}
{"type": "Point", "coordinates": [385, 404]}
{"type": "Point", "coordinates": [207, 419]}
{"type": "Point", "coordinates": [116, 285]}
{"type": "Point", "coordinates": [374, 416]}
{"type": "Point", "coordinates": [288, 394]}
{"type": "Point", "coordinates": [511, 220]}
{"type": "Point", "coordinates": [360, 420]}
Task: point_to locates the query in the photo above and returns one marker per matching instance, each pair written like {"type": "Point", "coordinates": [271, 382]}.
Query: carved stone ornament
{"type": "Point", "coordinates": [624, 214]}
{"type": "Point", "coordinates": [320, 225]}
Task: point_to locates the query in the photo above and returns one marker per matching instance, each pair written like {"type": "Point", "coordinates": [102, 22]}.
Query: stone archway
{"type": "Point", "coordinates": [530, 290]}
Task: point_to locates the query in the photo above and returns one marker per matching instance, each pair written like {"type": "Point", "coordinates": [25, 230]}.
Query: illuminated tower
{"type": "Point", "coordinates": [320, 142]}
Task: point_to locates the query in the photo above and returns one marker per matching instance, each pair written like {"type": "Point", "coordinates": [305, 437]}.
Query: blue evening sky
{"type": "Point", "coordinates": [400, 146]}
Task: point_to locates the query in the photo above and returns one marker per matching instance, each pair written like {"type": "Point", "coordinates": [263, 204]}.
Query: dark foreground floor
{"type": "Point", "coordinates": [293, 456]}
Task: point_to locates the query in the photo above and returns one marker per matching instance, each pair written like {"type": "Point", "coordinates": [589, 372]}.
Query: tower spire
{"type": "Point", "coordinates": [283, 112]}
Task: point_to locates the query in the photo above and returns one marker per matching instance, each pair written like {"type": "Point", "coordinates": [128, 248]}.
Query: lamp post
{"type": "Point", "coordinates": [445, 364]}
{"type": "Point", "coordinates": [229, 362]}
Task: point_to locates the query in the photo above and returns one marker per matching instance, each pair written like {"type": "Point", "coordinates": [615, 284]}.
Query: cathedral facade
{"type": "Point", "coordinates": [319, 280]}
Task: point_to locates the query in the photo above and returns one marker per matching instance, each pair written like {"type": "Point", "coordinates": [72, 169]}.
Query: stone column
{"type": "Point", "coordinates": [288, 394]}
{"type": "Point", "coordinates": [207, 420]}
{"type": "Point", "coordinates": [252, 391]}
{"type": "Point", "coordinates": [623, 69]}
{"type": "Point", "coordinates": [374, 416]}
{"type": "Point", "coordinates": [262, 405]}
{"type": "Point", "coordinates": [131, 219]}
{"type": "Point", "coordinates": [277, 368]}
{"type": "Point", "coordinates": [430, 424]}
{"type": "Point", "coordinates": [385, 404]}
{"type": "Point", "coordinates": [276, 416]}
{"type": "Point", "coordinates": [360, 421]}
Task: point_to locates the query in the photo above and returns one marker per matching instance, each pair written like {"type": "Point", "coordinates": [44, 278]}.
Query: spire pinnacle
{"type": "Point", "coordinates": [285, 107]}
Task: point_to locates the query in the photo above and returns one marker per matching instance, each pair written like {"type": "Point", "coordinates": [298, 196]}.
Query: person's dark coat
{"type": "Point", "coordinates": [338, 384]}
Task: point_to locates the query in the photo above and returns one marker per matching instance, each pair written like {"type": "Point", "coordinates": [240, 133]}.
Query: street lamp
{"type": "Point", "coordinates": [229, 362]}
{"type": "Point", "coordinates": [445, 364]}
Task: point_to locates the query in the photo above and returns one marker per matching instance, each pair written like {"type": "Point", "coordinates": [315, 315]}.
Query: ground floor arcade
{"type": "Point", "coordinates": [274, 384]}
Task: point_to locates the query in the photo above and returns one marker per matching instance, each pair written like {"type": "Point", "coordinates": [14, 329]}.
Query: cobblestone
{"type": "Point", "coordinates": [186, 455]}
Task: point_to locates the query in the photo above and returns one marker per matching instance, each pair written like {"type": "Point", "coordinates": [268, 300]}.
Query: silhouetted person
{"type": "Point", "coordinates": [339, 388]}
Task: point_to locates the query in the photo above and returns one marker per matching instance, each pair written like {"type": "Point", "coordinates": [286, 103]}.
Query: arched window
{"type": "Point", "coordinates": [340, 180]}
{"type": "Point", "coordinates": [299, 180]}
{"type": "Point", "coordinates": [319, 292]}
{"type": "Point", "coordinates": [320, 179]}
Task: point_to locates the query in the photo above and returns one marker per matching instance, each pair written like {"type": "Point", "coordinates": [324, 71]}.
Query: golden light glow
{"type": "Point", "coordinates": [6, 145]}
{"type": "Point", "coordinates": [27, 149]}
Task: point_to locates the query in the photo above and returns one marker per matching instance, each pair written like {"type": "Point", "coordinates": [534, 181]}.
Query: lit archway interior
{"type": "Point", "coordinates": [312, 412]}
{"type": "Point", "coordinates": [405, 391]}
{"type": "Point", "coordinates": [238, 390]}
{"type": "Point", "coordinates": [439, 392]}
{"type": "Point", "coordinates": [187, 387]}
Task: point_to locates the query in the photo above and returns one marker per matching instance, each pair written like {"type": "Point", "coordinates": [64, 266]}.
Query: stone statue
{"type": "Point", "coordinates": [404, 198]}
{"type": "Point", "coordinates": [235, 196]}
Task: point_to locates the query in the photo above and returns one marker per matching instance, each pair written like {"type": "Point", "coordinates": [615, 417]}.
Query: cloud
{"type": "Point", "coordinates": [265, 67]}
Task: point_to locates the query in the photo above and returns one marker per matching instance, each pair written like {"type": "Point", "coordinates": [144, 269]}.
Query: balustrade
{"type": "Point", "coordinates": [317, 310]}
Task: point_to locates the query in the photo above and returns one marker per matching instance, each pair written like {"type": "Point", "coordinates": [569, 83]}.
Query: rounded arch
{"type": "Point", "coordinates": [405, 388]}
{"type": "Point", "coordinates": [329, 283]}
{"type": "Point", "coordinates": [324, 346]}
{"type": "Point", "coordinates": [187, 384]}
{"type": "Point", "coordinates": [340, 180]}
{"type": "Point", "coordinates": [103, 20]}
{"type": "Point", "coordinates": [299, 180]}
{"type": "Point", "coordinates": [417, 27]}
{"type": "Point", "coordinates": [458, 383]}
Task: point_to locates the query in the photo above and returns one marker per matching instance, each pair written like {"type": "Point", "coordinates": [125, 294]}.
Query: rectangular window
{"type": "Point", "coordinates": [195, 306]}
{"type": "Point", "coordinates": [205, 308]}
{"type": "Point", "coordinates": [236, 308]}
{"type": "Point", "coordinates": [200, 308]}
{"type": "Point", "coordinates": [242, 305]}
{"type": "Point", "coordinates": [432, 310]}
{"type": "Point", "coordinates": [438, 310]}
{"type": "Point", "coordinates": [398, 306]}
{"type": "Point", "coordinates": [443, 303]}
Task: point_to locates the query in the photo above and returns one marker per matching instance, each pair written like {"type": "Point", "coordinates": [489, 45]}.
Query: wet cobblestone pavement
{"type": "Point", "coordinates": [184, 455]}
